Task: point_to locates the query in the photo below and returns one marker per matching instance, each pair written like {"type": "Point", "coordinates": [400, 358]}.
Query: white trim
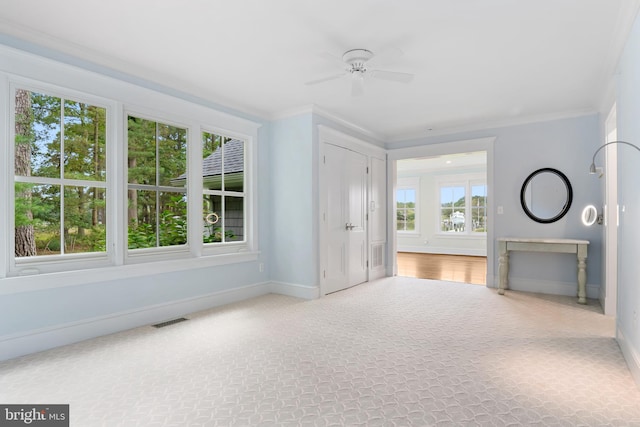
{"type": "Point", "coordinates": [13, 285]}
{"type": "Point", "coordinates": [443, 250]}
{"type": "Point", "coordinates": [28, 342]}
{"type": "Point", "coordinates": [6, 177]}
{"type": "Point", "coordinates": [335, 137]}
{"type": "Point", "coordinates": [631, 355]}
{"type": "Point", "coordinates": [430, 150]}
{"type": "Point", "coordinates": [295, 290]}
{"type": "Point", "coordinates": [496, 124]}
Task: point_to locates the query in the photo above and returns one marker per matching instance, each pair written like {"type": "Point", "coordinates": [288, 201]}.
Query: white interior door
{"type": "Point", "coordinates": [346, 175]}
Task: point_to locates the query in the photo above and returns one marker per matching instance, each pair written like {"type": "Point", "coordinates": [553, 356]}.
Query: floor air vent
{"type": "Point", "coordinates": [169, 322]}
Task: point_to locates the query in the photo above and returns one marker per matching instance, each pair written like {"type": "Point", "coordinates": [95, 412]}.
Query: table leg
{"type": "Point", "coordinates": [503, 267]}
{"type": "Point", "coordinates": [582, 275]}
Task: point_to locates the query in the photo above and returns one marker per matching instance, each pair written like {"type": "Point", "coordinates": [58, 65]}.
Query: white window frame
{"type": "Point", "coordinates": [119, 98]}
{"type": "Point", "coordinates": [55, 263]}
{"type": "Point", "coordinates": [467, 181]}
{"type": "Point", "coordinates": [412, 183]}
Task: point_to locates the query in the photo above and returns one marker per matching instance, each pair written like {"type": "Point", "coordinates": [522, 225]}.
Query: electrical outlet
{"type": "Point", "coordinates": [500, 210]}
{"type": "Point", "coordinates": [261, 267]}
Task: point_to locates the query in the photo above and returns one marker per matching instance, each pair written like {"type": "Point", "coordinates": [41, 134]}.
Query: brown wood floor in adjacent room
{"type": "Point", "coordinates": [455, 268]}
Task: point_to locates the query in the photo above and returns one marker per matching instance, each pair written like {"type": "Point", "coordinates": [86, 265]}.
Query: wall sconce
{"type": "Point", "coordinates": [592, 168]}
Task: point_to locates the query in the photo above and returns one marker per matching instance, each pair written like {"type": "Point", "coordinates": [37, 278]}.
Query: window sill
{"type": "Point", "coordinates": [462, 235]}
{"type": "Point", "coordinates": [408, 234]}
{"type": "Point", "coordinates": [13, 285]}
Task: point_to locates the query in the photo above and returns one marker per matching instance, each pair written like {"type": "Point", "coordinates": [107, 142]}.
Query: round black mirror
{"type": "Point", "coordinates": [546, 195]}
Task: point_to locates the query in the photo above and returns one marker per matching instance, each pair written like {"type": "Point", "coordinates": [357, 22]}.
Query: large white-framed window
{"type": "Point", "coordinates": [407, 205]}
{"type": "Point", "coordinates": [223, 190]}
{"type": "Point", "coordinates": [156, 196]}
{"type": "Point", "coordinates": [462, 207]}
{"type": "Point", "coordinates": [100, 173]}
{"type": "Point", "coordinates": [60, 193]}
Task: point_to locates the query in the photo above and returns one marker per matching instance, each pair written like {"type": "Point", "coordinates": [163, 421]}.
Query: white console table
{"type": "Point", "coordinates": [567, 246]}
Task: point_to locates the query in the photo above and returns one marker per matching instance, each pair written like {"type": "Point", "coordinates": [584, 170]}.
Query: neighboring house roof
{"type": "Point", "coordinates": [212, 164]}
{"type": "Point", "coordinates": [233, 159]}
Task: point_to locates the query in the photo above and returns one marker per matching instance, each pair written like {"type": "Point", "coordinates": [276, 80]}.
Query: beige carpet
{"type": "Point", "coordinates": [397, 351]}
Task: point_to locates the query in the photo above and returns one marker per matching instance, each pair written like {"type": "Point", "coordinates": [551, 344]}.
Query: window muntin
{"type": "Point", "coordinates": [462, 207]}
{"type": "Point", "coordinates": [223, 189]}
{"type": "Point", "coordinates": [156, 184]}
{"type": "Point", "coordinates": [60, 183]}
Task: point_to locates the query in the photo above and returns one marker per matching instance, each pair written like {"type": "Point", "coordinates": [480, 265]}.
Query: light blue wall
{"type": "Point", "coordinates": [292, 201]}
{"type": "Point", "coordinates": [628, 116]}
{"type": "Point", "coordinates": [566, 145]}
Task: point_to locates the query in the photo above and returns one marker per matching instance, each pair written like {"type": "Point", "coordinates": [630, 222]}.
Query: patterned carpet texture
{"type": "Point", "coordinates": [394, 352]}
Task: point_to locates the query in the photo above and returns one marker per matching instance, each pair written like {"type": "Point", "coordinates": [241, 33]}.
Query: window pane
{"type": "Point", "coordinates": [173, 219]}
{"type": "Point", "coordinates": [84, 141]}
{"type": "Point", "coordinates": [234, 219]}
{"type": "Point", "coordinates": [172, 153]}
{"type": "Point", "coordinates": [452, 209]}
{"type": "Point", "coordinates": [37, 220]}
{"type": "Point", "coordinates": [142, 219]}
{"type": "Point", "coordinates": [405, 207]}
{"type": "Point", "coordinates": [479, 208]}
{"type": "Point", "coordinates": [212, 207]}
{"type": "Point", "coordinates": [234, 165]}
{"type": "Point", "coordinates": [38, 133]}
{"type": "Point", "coordinates": [84, 220]}
{"type": "Point", "coordinates": [212, 161]}
{"type": "Point", "coordinates": [141, 141]}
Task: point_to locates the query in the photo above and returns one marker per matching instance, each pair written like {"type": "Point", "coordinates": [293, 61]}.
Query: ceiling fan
{"type": "Point", "coordinates": [356, 63]}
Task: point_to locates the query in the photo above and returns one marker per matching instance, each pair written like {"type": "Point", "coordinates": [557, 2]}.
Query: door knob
{"type": "Point", "coordinates": [348, 226]}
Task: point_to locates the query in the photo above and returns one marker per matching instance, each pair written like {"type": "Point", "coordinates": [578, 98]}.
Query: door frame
{"type": "Point", "coordinates": [609, 290]}
{"type": "Point", "coordinates": [328, 135]}
{"type": "Point", "coordinates": [431, 150]}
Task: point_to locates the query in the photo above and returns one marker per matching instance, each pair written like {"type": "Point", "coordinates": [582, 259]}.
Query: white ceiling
{"type": "Point", "coordinates": [476, 62]}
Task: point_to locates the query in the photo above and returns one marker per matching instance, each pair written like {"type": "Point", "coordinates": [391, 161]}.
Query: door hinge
{"type": "Point", "coordinates": [367, 169]}
{"type": "Point", "coordinates": [324, 274]}
{"type": "Point", "coordinates": [367, 263]}
{"type": "Point", "coordinates": [366, 217]}
{"type": "Point", "coordinates": [324, 159]}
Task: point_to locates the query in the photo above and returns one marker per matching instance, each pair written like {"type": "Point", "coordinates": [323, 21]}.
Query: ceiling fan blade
{"type": "Point", "coordinates": [357, 85]}
{"type": "Point", "coordinates": [393, 76]}
{"type": "Point", "coordinates": [386, 56]}
{"type": "Point", "coordinates": [325, 79]}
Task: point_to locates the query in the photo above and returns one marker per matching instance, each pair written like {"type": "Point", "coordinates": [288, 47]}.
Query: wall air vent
{"type": "Point", "coordinates": [169, 322]}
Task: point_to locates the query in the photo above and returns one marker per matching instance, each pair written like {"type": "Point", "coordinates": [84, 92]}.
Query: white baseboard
{"type": "Point", "coordinates": [293, 290]}
{"type": "Point", "coordinates": [15, 345]}
{"type": "Point", "coordinates": [549, 287]}
{"type": "Point", "coordinates": [630, 354]}
{"type": "Point", "coordinates": [443, 250]}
